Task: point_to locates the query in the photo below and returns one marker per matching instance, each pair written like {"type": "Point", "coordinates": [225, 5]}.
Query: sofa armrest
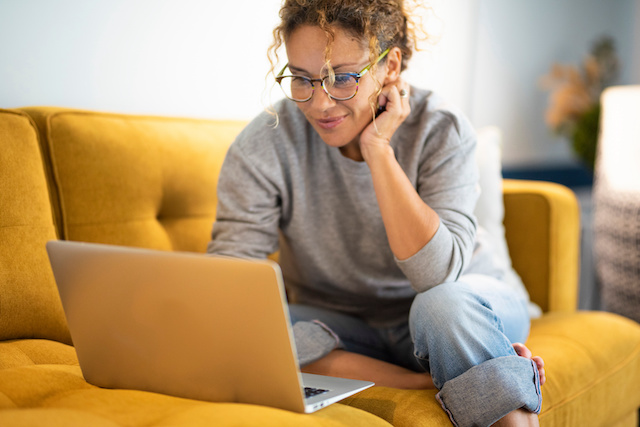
{"type": "Point", "coordinates": [542, 229]}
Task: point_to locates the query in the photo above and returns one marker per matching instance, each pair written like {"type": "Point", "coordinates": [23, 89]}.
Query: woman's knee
{"type": "Point", "coordinates": [450, 313]}
{"type": "Point", "coordinates": [446, 301]}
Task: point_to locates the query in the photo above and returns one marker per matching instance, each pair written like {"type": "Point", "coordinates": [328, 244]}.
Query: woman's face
{"type": "Point", "coordinates": [339, 123]}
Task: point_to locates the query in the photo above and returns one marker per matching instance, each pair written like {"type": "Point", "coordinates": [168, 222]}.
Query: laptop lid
{"type": "Point", "coordinates": [189, 325]}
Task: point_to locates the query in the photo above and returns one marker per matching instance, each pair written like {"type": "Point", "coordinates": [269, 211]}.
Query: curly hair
{"type": "Point", "coordinates": [381, 24]}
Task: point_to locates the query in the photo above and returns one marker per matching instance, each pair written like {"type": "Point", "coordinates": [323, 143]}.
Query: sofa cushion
{"type": "Point", "coordinates": [26, 352]}
{"type": "Point", "coordinates": [57, 395]}
{"type": "Point", "coordinates": [29, 302]}
{"type": "Point", "coordinates": [592, 363]}
{"type": "Point", "coordinates": [489, 209]}
{"type": "Point", "coordinates": [134, 180]}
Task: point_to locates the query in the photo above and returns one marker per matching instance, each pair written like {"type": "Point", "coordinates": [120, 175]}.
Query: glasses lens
{"type": "Point", "coordinates": [296, 88]}
{"type": "Point", "coordinates": [344, 86]}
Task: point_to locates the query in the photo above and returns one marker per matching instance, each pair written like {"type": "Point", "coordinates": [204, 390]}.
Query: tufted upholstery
{"type": "Point", "coordinates": [54, 394]}
{"type": "Point", "coordinates": [123, 180]}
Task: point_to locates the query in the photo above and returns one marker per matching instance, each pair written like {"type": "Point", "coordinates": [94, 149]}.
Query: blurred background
{"type": "Point", "coordinates": [207, 59]}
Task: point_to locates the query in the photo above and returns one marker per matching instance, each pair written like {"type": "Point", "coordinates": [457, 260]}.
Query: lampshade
{"type": "Point", "coordinates": [616, 201]}
{"type": "Point", "coordinates": [619, 155]}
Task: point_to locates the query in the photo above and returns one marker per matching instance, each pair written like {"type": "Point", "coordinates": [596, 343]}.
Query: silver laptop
{"type": "Point", "coordinates": [188, 325]}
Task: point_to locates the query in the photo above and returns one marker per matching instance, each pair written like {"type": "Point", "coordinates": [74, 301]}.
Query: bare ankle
{"type": "Point", "coordinates": [517, 418]}
{"type": "Point", "coordinates": [419, 381]}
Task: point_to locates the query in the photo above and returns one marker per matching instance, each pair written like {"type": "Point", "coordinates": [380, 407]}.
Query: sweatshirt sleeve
{"type": "Point", "coordinates": [249, 205]}
{"type": "Point", "coordinates": [448, 182]}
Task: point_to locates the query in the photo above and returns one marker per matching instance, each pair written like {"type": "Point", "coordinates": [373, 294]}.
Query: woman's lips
{"type": "Point", "coordinates": [331, 122]}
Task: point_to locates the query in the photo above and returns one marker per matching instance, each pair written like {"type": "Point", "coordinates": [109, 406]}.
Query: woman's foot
{"type": "Point", "coordinates": [341, 363]}
{"type": "Point", "coordinates": [523, 351]}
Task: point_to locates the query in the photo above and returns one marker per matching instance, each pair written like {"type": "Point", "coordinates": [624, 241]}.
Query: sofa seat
{"type": "Point", "coordinates": [602, 344]}
{"type": "Point", "coordinates": [30, 352]}
{"type": "Point", "coordinates": [42, 378]}
{"type": "Point", "coordinates": [41, 384]}
{"type": "Point", "coordinates": [593, 367]}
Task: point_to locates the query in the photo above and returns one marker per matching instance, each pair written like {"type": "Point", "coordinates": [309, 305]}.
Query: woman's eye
{"type": "Point", "coordinates": [299, 81]}
{"type": "Point", "coordinates": [344, 80]}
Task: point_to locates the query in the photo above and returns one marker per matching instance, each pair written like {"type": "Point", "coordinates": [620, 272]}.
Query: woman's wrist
{"type": "Point", "coordinates": [376, 152]}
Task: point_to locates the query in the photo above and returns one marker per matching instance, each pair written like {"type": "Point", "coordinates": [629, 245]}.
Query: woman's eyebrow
{"type": "Point", "coordinates": [350, 64]}
{"type": "Point", "coordinates": [295, 69]}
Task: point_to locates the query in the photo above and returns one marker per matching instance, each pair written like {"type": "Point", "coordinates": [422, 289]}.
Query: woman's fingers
{"type": "Point", "coordinates": [396, 96]}
{"type": "Point", "coordinates": [395, 110]}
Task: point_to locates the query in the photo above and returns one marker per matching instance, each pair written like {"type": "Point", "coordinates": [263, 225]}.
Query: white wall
{"type": "Point", "coordinates": [205, 58]}
{"type": "Point", "coordinates": [517, 43]}
{"type": "Point", "coordinates": [174, 57]}
{"type": "Point", "coordinates": [171, 57]}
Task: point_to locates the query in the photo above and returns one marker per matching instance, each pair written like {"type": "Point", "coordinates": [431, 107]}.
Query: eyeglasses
{"type": "Point", "coordinates": [341, 87]}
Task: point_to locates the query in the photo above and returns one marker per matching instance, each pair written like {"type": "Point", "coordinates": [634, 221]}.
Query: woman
{"type": "Point", "coordinates": [373, 217]}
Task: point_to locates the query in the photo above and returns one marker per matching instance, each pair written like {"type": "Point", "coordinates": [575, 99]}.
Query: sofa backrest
{"type": "Point", "coordinates": [151, 182]}
{"type": "Point", "coordinates": [134, 180]}
{"type": "Point", "coordinates": [29, 302]}
{"type": "Point", "coordinates": [542, 223]}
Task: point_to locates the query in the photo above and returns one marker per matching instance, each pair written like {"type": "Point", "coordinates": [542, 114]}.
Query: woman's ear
{"type": "Point", "coordinates": [393, 65]}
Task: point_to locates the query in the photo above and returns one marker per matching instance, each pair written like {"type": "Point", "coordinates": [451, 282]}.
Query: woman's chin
{"type": "Point", "coordinates": [338, 138]}
{"type": "Point", "coordinates": [335, 142]}
{"type": "Point", "coordinates": [332, 139]}
{"type": "Point", "coordinates": [350, 149]}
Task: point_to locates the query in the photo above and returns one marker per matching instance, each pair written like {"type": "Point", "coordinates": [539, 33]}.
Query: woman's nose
{"type": "Point", "coordinates": [320, 99]}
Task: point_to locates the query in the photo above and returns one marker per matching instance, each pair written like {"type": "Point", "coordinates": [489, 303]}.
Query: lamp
{"type": "Point", "coordinates": [616, 197]}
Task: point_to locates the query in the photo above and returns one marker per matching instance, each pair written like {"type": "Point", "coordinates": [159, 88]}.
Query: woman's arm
{"type": "Point", "coordinates": [429, 218]}
{"type": "Point", "coordinates": [249, 207]}
{"type": "Point", "coordinates": [409, 222]}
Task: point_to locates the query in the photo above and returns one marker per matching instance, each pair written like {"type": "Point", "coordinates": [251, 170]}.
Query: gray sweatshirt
{"type": "Point", "coordinates": [284, 188]}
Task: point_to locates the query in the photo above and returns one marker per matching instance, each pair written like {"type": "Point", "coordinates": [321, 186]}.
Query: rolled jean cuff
{"type": "Point", "coordinates": [314, 340]}
{"type": "Point", "coordinates": [491, 390]}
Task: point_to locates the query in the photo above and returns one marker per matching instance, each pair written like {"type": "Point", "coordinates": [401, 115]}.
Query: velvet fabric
{"type": "Point", "coordinates": [134, 181]}
{"type": "Point", "coordinates": [29, 303]}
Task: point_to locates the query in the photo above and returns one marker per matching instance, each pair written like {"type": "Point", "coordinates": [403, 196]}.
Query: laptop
{"type": "Point", "coordinates": [189, 325]}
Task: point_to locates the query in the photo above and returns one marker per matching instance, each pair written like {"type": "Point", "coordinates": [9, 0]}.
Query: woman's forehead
{"type": "Point", "coordinates": [306, 48]}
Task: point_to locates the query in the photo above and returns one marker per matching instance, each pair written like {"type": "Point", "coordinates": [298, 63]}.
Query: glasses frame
{"type": "Point", "coordinates": [357, 76]}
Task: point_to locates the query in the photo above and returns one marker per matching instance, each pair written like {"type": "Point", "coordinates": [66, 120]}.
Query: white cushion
{"type": "Point", "coordinates": [490, 208]}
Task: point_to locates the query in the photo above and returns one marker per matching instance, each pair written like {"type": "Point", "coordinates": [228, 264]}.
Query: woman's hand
{"type": "Point", "coordinates": [394, 98]}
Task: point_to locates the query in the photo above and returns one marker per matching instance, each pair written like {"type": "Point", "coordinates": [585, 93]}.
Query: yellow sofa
{"type": "Point", "coordinates": [150, 182]}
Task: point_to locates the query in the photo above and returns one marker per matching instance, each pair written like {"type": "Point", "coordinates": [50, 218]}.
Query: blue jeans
{"type": "Point", "coordinates": [460, 332]}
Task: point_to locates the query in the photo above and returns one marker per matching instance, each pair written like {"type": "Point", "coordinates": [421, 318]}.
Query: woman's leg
{"type": "Point", "coordinates": [464, 333]}
{"type": "Point", "coordinates": [318, 331]}
{"type": "Point", "coordinates": [321, 350]}
{"type": "Point", "coordinates": [335, 344]}
{"type": "Point", "coordinates": [344, 364]}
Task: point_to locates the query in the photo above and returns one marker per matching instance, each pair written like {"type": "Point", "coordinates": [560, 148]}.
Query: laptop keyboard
{"type": "Point", "coordinates": [310, 391]}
